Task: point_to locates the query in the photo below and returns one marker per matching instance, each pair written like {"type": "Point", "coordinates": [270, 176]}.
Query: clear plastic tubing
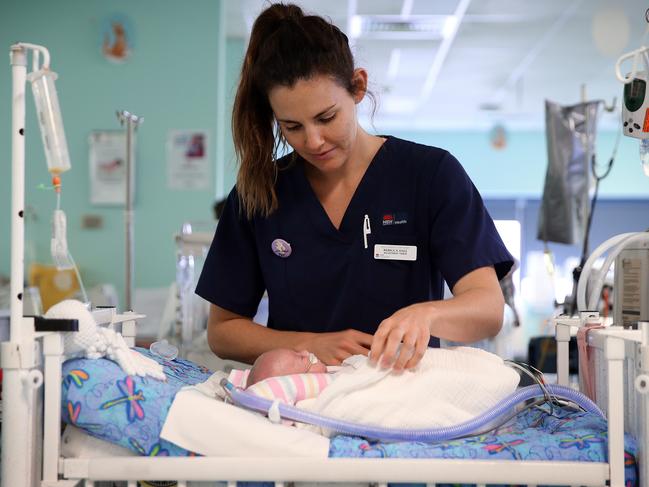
{"type": "Point", "coordinates": [250, 401]}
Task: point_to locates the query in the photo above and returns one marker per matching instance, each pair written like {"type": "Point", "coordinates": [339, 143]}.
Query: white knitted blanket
{"type": "Point", "coordinates": [448, 387]}
{"type": "Point", "coordinates": [93, 341]}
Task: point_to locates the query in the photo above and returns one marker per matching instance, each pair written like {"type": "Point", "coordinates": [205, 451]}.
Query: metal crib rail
{"type": "Point", "coordinates": [621, 361]}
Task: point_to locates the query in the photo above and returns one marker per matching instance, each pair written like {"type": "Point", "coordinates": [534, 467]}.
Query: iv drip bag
{"type": "Point", "coordinates": [570, 133]}
{"type": "Point", "coordinates": [50, 121]}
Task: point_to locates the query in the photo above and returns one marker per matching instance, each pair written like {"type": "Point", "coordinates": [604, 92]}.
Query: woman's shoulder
{"type": "Point", "coordinates": [422, 156]}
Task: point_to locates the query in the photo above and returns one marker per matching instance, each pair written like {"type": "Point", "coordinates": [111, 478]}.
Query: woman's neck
{"type": "Point", "coordinates": [360, 157]}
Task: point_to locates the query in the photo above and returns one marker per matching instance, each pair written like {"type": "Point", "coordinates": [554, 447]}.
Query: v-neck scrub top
{"type": "Point", "coordinates": [413, 195]}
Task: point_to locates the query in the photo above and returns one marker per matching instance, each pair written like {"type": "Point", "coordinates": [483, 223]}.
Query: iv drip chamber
{"type": "Point", "coordinates": [49, 120]}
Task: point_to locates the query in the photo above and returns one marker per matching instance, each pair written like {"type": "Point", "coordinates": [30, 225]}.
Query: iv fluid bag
{"type": "Point", "coordinates": [570, 133]}
{"type": "Point", "coordinates": [50, 121]}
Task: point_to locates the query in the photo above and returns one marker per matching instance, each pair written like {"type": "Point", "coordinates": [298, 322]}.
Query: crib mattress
{"type": "Point", "coordinates": [99, 398]}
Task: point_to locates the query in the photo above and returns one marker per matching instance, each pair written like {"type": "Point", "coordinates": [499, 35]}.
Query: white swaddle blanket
{"type": "Point", "coordinates": [448, 387]}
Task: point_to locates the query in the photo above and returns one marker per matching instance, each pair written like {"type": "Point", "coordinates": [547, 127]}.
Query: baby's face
{"type": "Point", "coordinates": [283, 361]}
{"type": "Point", "coordinates": [301, 362]}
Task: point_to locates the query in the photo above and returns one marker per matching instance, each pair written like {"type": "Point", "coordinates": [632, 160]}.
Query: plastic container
{"type": "Point", "coordinates": [164, 350]}
{"type": "Point", "coordinates": [50, 121]}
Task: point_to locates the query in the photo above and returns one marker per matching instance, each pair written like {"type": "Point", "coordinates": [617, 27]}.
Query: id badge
{"type": "Point", "coordinates": [395, 252]}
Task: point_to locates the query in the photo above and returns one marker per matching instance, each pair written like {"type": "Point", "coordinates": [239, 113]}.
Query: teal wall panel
{"type": "Point", "coordinates": [169, 79]}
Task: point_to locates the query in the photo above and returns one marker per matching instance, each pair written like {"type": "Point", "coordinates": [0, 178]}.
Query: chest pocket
{"type": "Point", "coordinates": [389, 282]}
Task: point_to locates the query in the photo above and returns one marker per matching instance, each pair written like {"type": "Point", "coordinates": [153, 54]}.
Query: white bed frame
{"type": "Point", "coordinates": [621, 360]}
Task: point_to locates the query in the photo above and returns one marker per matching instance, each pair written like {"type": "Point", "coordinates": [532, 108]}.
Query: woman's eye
{"type": "Point", "coordinates": [328, 119]}
{"type": "Point", "coordinates": [291, 128]}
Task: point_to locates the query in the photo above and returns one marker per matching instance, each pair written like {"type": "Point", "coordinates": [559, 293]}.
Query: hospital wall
{"type": "Point", "coordinates": [170, 79]}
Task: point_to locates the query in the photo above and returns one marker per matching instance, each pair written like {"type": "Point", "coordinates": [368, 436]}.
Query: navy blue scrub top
{"type": "Point", "coordinates": [413, 194]}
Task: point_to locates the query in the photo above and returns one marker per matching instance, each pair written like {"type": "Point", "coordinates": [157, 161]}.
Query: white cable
{"type": "Point", "coordinates": [634, 55]}
{"type": "Point", "coordinates": [585, 272]}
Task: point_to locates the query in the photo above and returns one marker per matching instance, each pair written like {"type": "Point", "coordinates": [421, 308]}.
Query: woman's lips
{"type": "Point", "coordinates": [323, 155]}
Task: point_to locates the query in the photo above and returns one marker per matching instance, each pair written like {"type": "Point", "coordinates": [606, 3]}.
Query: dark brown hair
{"type": "Point", "coordinates": [285, 46]}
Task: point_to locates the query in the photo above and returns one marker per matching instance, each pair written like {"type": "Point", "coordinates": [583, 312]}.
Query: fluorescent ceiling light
{"type": "Point", "coordinates": [427, 27]}
{"type": "Point", "coordinates": [393, 66]}
{"type": "Point", "coordinates": [450, 26]}
{"type": "Point", "coordinates": [355, 26]}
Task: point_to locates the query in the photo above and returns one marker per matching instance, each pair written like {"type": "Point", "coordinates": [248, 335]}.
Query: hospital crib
{"type": "Point", "coordinates": [620, 359]}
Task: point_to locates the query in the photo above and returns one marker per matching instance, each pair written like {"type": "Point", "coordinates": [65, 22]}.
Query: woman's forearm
{"type": "Point", "coordinates": [471, 316]}
{"type": "Point", "coordinates": [243, 340]}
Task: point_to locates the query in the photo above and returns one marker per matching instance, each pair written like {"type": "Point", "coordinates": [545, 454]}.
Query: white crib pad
{"type": "Point", "coordinates": [202, 423]}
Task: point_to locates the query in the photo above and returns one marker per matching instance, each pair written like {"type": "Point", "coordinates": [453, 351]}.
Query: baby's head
{"type": "Point", "coordinates": [283, 361]}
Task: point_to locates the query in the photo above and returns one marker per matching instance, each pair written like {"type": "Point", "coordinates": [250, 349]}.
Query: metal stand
{"type": "Point", "coordinates": [132, 121]}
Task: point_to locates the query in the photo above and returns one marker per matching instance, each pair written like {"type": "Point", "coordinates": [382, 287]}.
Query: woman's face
{"type": "Point", "coordinates": [317, 118]}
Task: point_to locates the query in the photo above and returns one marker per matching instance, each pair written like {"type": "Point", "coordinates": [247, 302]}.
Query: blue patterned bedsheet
{"type": "Point", "coordinates": [100, 398]}
{"type": "Point", "coordinates": [535, 434]}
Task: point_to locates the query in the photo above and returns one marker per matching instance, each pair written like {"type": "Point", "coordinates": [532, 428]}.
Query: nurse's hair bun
{"type": "Point", "coordinates": [275, 16]}
{"type": "Point", "coordinates": [284, 11]}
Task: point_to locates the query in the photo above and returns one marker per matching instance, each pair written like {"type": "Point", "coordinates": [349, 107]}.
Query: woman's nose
{"type": "Point", "coordinates": [313, 139]}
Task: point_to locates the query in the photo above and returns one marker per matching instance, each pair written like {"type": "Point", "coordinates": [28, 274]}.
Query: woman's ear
{"type": "Point", "coordinates": [359, 82]}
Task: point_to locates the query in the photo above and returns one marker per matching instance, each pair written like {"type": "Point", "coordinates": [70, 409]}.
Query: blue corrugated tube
{"type": "Point", "coordinates": [473, 426]}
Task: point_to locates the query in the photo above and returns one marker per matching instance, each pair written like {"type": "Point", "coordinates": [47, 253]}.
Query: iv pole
{"type": "Point", "coordinates": [20, 462]}
{"type": "Point", "coordinates": [132, 121]}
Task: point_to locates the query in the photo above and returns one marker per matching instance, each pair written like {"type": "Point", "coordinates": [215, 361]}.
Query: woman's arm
{"type": "Point", "coordinates": [235, 337]}
{"type": "Point", "coordinates": [475, 312]}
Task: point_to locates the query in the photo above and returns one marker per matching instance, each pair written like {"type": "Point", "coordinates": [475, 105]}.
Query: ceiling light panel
{"type": "Point", "coordinates": [395, 27]}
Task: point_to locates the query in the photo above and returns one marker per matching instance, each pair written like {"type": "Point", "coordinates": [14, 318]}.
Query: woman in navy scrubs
{"type": "Point", "coordinates": [351, 234]}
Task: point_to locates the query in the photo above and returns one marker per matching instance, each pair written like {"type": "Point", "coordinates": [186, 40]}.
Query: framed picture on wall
{"type": "Point", "coordinates": [188, 164]}
{"type": "Point", "coordinates": [107, 170]}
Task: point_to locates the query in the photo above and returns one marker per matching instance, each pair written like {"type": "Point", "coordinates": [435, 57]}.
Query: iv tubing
{"type": "Point", "coordinates": [595, 292]}
{"type": "Point", "coordinates": [583, 278]}
{"type": "Point", "coordinates": [250, 401]}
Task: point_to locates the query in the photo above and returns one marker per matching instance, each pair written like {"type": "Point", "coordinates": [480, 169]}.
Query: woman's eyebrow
{"type": "Point", "coordinates": [317, 116]}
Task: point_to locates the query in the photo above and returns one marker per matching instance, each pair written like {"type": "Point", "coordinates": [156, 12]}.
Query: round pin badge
{"type": "Point", "coordinates": [281, 248]}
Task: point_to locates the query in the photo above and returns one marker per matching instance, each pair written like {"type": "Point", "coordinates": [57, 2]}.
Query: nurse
{"type": "Point", "coordinates": [351, 234]}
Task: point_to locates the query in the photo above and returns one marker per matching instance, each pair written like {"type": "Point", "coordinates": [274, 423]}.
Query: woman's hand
{"type": "Point", "coordinates": [332, 348]}
{"type": "Point", "coordinates": [401, 340]}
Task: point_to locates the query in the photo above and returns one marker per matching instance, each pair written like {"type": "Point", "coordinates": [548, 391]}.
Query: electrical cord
{"type": "Point", "coordinates": [537, 377]}
{"type": "Point", "coordinates": [584, 251]}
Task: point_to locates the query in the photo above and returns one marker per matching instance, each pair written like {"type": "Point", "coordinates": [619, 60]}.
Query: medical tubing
{"type": "Point", "coordinates": [599, 283]}
{"type": "Point", "coordinates": [585, 272]}
{"type": "Point", "coordinates": [251, 401]}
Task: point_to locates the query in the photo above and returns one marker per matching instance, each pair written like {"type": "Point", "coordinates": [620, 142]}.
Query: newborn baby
{"type": "Point", "coordinates": [284, 375]}
{"type": "Point", "coordinates": [283, 361]}
{"type": "Point", "coordinates": [448, 387]}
